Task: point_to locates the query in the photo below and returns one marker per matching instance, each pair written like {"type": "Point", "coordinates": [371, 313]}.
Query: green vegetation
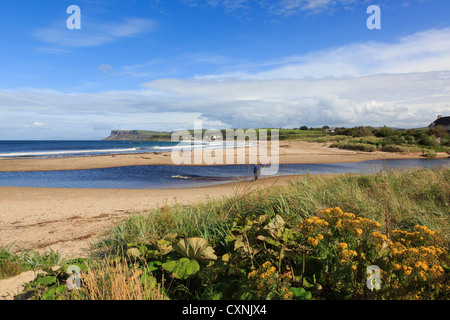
{"type": "Point", "coordinates": [293, 134]}
{"type": "Point", "coordinates": [392, 140]}
{"type": "Point", "coordinates": [311, 239]}
{"type": "Point", "coordinates": [385, 139]}
{"type": "Point", "coordinates": [12, 264]}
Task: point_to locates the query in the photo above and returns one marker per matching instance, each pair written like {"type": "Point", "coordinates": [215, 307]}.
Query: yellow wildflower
{"type": "Point", "coordinates": [288, 296]}
{"type": "Point", "coordinates": [407, 270]}
{"type": "Point", "coordinates": [378, 235]}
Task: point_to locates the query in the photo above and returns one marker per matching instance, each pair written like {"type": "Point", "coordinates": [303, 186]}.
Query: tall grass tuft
{"type": "Point", "coordinates": [14, 260]}
{"type": "Point", "coordinates": [107, 280]}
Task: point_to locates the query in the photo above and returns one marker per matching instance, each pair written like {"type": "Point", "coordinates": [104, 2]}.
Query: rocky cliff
{"type": "Point", "coordinates": [139, 135]}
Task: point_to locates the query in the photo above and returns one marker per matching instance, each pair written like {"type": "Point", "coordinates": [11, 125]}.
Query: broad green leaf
{"type": "Point", "coordinates": [154, 265]}
{"type": "Point", "coordinates": [164, 246]}
{"type": "Point", "coordinates": [275, 227]}
{"type": "Point", "coordinates": [134, 252]}
{"type": "Point", "coordinates": [81, 265]}
{"type": "Point", "coordinates": [272, 241]}
{"type": "Point", "coordinates": [183, 268]}
{"type": "Point", "coordinates": [262, 218]}
{"type": "Point", "coordinates": [230, 238]}
{"type": "Point", "coordinates": [46, 280]}
{"type": "Point", "coordinates": [300, 293]}
{"type": "Point", "coordinates": [49, 294]}
{"type": "Point", "coordinates": [242, 243]}
{"type": "Point", "coordinates": [61, 289]}
{"type": "Point", "coordinates": [195, 248]}
{"type": "Point", "coordinates": [149, 281]}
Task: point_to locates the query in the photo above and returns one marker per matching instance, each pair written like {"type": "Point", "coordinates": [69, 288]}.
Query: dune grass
{"type": "Point", "coordinates": [397, 199]}
{"type": "Point", "coordinates": [106, 280]}
{"type": "Point", "coordinates": [14, 260]}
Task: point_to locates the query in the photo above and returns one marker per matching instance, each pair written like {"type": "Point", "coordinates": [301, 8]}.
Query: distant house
{"type": "Point", "coordinates": [441, 121]}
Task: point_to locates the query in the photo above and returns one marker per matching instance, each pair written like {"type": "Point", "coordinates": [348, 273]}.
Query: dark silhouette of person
{"type": "Point", "coordinates": [256, 172]}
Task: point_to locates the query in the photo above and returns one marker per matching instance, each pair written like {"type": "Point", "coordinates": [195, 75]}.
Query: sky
{"type": "Point", "coordinates": [164, 64]}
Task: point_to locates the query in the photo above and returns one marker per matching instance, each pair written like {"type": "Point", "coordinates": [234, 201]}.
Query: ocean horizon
{"type": "Point", "coordinates": [78, 148]}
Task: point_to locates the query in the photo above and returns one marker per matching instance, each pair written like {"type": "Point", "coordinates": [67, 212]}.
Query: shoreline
{"type": "Point", "coordinates": [290, 152]}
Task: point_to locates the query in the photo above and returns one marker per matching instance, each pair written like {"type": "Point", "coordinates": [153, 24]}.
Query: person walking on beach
{"type": "Point", "coordinates": [256, 172]}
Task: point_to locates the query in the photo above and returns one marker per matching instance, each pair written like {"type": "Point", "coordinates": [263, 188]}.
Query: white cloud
{"type": "Point", "coordinates": [92, 33]}
{"type": "Point", "coordinates": [289, 7]}
{"type": "Point", "coordinates": [276, 7]}
{"type": "Point", "coordinates": [421, 52]}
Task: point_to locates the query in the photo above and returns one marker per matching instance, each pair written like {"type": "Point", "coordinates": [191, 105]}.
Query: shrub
{"type": "Point", "coordinates": [425, 140]}
{"type": "Point", "coordinates": [438, 131]}
{"type": "Point", "coordinates": [430, 154]}
{"type": "Point", "coordinates": [393, 140]}
{"type": "Point", "coordinates": [384, 132]}
{"type": "Point", "coordinates": [355, 146]}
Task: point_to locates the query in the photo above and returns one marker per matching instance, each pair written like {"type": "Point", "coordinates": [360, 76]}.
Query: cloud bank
{"type": "Point", "coordinates": [402, 84]}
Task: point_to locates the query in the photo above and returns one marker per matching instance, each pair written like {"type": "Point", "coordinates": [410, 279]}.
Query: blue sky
{"type": "Point", "coordinates": [162, 64]}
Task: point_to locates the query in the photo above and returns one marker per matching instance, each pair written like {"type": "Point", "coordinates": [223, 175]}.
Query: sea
{"type": "Point", "coordinates": [70, 148]}
{"type": "Point", "coordinates": [162, 176]}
